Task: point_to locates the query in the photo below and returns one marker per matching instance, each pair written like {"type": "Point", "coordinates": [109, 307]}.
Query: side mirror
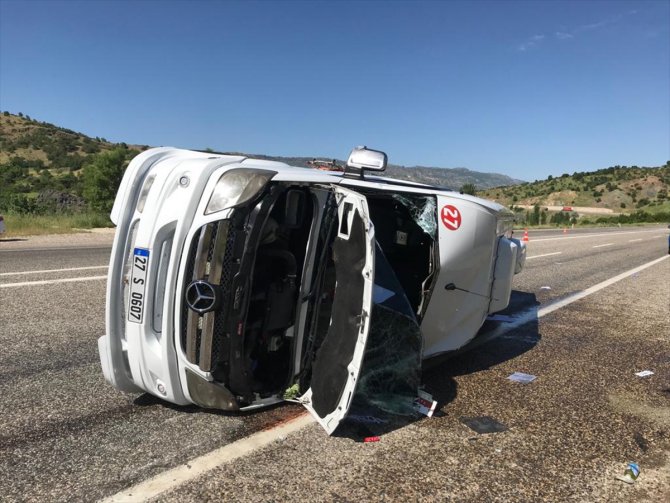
{"type": "Point", "coordinates": [366, 159]}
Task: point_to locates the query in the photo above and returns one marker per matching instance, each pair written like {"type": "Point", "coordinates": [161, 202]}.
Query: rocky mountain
{"type": "Point", "coordinates": [451, 178]}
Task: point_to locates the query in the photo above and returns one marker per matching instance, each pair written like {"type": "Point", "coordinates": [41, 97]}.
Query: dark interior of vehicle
{"type": "Point", "coordinates": [406, 245]}
{"type": "Point", "coordinates": [280, 256]}
{"type": "Point", "coordinates": [277, 271]}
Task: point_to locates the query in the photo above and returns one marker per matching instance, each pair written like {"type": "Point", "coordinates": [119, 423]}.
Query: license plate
{"type": "Point", "coordinates": [137, 285]}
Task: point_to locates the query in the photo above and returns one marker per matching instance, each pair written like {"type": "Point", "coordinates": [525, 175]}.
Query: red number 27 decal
{"type": "Point", "coordinates": [451, 217]}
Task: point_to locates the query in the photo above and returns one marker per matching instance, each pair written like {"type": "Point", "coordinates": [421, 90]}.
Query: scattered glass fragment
{"type": "Point", "coordinates": [521, 377]}
{"type": "Point", "coordinates": [483, 424]}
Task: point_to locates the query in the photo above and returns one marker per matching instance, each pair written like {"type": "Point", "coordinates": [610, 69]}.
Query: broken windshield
{"type": "Point", "coordinates": [391, 374]}
{"type": "Point", "coordinates": [422, 209]}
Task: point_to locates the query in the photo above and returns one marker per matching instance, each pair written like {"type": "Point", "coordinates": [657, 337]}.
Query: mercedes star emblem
{"type": "Point", "coordinates": [202, 296]}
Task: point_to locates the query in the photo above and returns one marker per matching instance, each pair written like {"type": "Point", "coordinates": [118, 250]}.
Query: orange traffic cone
{"type": "Point", "coordinates": [525, 235]}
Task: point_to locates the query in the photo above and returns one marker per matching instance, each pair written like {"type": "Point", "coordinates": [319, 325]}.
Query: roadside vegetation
{"type": "Point", "coordinates": [55, 180]}
{"type": "Point", "coordinates": [611, 196]}
{"type": "Point", "coordinates": [24, 224]}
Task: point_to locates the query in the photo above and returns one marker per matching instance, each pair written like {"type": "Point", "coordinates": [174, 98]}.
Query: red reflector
{"type": "Point", "coordinates": [371, 439]}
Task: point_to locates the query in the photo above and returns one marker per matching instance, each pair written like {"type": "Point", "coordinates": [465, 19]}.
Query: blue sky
{"type": "Point", "coordinates": [528, 89]}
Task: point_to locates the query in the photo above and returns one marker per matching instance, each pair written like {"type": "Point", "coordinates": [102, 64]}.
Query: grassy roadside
{"type": "Point", "coordinates": [17, 224]}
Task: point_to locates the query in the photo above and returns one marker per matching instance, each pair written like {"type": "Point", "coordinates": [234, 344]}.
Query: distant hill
{"type": "Point", "coordinates": [612, 191]}
{"type": "Point", "coordinates": [41, 160]}
{"type": "Point", "coordinates": [43, 145]}
{"type": "Point", "coordinates": [41, 165]}
{"type": "Point", "coordinates": [38, 156]}
{"type": "Point", "coordinates": [451, 178]}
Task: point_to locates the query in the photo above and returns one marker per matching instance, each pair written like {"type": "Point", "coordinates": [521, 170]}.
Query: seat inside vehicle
{"type": "Point", "coordinates": [277, 271]}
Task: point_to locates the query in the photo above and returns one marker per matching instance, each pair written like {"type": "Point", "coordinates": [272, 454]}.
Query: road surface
{"type": "Point", "coordinates": [595, 306]}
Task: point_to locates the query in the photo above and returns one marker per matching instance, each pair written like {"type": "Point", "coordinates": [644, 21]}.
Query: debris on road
{"type": "Point", "coordinates": [425, 404]}
{"type": "Point", "coordinates": [483, 424]}
{"type": "Point", "coordinates": [366, 435]}
{"type": "Point", "coordinates": [630, 475]}
{"type": "Point", "coordinates": [292, 392]}
{"type": "Point", "coordinates": [521, 377]}
{"type": "Point", "coordinates": [545, 288]}
{"type": "Point", "coordinates": [644, 373]}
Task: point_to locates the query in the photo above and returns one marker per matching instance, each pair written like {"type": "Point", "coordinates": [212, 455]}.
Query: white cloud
{"type": "Point", "coordinates": [531, 42]}
{"type": "Point", "coordinates": [566, 34]}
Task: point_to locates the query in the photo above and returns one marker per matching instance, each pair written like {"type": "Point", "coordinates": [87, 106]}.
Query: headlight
{"type": "Point", "coordinates": [236, 187]}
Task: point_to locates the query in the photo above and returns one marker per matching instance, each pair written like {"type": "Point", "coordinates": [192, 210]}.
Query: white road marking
{"type": "Point", "coordinates": [151, 488]}
{"type": "Point", "coordinates": [46, 271]}
{"type": "Point", "coordinates": [606, 244]}
{"type": "Point", "coordinates": [544, 255]}
{"type": "Point", "coordinates": [582, 236]}
{"type": "Point", "coordinates": [170, 479]}
{"type": "Point", "coordinates": [595, 288]}
{"type": "Point", "coordinates": [635, 240]}
{"type": "Point", "coordinates": [534, 314]}
{"type": "Point", "coordinates": [52, 281]}
{"type": "Point", "coordinates": [55, 248]}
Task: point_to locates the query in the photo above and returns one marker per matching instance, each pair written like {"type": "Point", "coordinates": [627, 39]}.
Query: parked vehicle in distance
{"type": "Point", "coordinates": [236, 282]}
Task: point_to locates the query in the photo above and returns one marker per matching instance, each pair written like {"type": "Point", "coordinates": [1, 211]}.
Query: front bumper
{"type": "Point", "coordinates": [142, 356]}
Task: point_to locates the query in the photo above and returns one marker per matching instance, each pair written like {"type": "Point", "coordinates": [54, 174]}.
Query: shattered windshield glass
{"type": "Point", "coordinates": [422, 209]}
{"type": "Point", "coordinates": [391, 371]}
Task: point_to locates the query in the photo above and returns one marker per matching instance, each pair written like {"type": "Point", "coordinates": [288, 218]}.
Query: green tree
{"type": "Point", "coordinates": [101, 178]}
{"type": "Point", "coordinates": [535, 216]}
{"type": "Point", "coordinates": [468, 188]}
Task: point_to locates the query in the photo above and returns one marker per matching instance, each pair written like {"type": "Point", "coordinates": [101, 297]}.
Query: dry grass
{"type": "Point", "coordinates": [33, 225]}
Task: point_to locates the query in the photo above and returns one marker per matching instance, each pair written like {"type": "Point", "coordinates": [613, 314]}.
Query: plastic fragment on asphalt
{"type": "Point", "coordinates": [631, 473]}
{"type": "Point", "coordinates": [644, 373]}
{"type": "Point", "coordinates": [521, 377]}
{"type": "Point", "coordinates": [483, 424]}
{"type": "Point", "coordinates": [424, 404]}
{"type": "Point", "coordinates": [545, 288]}
{"type": "Point", "coordinates": [375, 438]}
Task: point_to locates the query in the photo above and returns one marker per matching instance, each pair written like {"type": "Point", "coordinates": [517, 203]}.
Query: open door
{"type": "Point", "coordinates": [337, 362]}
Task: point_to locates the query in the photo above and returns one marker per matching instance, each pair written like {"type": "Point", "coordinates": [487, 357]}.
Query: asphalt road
{"type": "Point", "coordinates": [65, 435]}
